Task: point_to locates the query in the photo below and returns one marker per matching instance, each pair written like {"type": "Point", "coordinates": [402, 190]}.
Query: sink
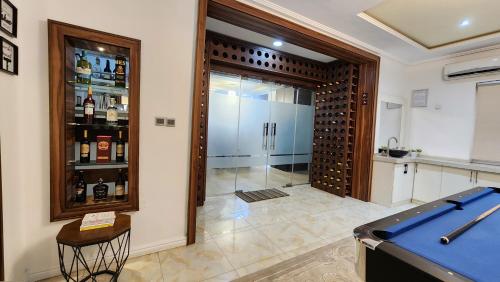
{"type": "Point", "coordinates": [397, 153]}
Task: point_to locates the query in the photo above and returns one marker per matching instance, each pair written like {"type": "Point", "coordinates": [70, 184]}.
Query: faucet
{"type": "Point", "coordinates": [388, 145]}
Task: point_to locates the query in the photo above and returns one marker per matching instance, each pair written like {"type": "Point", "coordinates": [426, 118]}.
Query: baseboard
{"type": "Point", "coordinates": [134, 252]}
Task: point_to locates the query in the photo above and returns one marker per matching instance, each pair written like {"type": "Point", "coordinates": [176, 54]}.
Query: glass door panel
{"type": "Point", "coordinates": [253, 135]}
{"type": "Point", "coordinates": [222, 144]}
{"type": "Point", "coordinates": [282, 131]}
{"type": "Point", "coordinates": [303, 137]}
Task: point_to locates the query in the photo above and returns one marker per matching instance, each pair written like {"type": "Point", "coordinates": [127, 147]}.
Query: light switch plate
{"type": "Point", "coordinates": [160, 121]}
{"type": "Point", "coordinates": [170, 122]}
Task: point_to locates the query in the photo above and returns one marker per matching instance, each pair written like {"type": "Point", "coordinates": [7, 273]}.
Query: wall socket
{"type": "Point", "coordinates": [170, 122]}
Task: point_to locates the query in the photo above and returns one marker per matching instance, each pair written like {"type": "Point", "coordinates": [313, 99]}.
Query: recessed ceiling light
{"type": "Point", "coordinates": [278, 43]}
{"type": "Point", "coordinates": [464, 23]}
{"type": "Point", "coordinates": [101, 49]}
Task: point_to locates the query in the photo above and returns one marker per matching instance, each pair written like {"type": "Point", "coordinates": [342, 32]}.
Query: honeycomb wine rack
{"type": "Point", "coordinates": [334, 129]}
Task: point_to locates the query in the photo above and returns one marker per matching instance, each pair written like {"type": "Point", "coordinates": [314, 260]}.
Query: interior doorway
{"type": "Point", "coordinates": [259, 134]}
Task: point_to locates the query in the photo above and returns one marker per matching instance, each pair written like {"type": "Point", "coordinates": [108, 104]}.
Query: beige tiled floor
{"type": "Point", "coordinates": [235, 238]}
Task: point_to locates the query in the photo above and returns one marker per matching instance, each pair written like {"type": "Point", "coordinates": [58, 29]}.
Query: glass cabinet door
{"type": "Point", "coordinates": [97, 122]}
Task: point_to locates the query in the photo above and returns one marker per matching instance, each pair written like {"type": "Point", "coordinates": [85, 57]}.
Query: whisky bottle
{"type": "Point", "coordinates": [85, 148]}
{"type": "Point", "coordinates": [112, 113]}
{"type": "Point", "coordinates": [81, 189]}
{"type": "Point", "coordinates": [120, 186]}
{"type": "Point", "coordinates": [120, 71]}
{"type": "Point", "coordinates": [89, 108]}
{"type": "Point", "coordinates": [120, 148]}
{"type": "Point", "coordinates": [83, 69]}
{"type": "Point", "coordinates": [100, 190]}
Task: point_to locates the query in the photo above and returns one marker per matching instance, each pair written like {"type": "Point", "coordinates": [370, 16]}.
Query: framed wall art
{"type": "Point", "coordinates": [9, 56]}
{"type": "Point", "coordinates": [8, 20]}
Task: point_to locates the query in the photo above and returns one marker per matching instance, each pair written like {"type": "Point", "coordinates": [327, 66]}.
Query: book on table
{"type": "Point", "coordinates": [97, 220]}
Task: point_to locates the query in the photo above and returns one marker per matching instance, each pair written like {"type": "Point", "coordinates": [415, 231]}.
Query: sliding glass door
{"type": "Point", "coordinates": [259, 135]}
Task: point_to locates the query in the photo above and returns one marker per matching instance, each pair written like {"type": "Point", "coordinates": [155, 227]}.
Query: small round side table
{"type": "Point", "coordinates": [112, 245]}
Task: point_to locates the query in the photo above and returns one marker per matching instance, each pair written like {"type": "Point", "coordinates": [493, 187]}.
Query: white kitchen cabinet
{"type": "Point", "coordinates": [392, 183]}
{"type": "Point", "coordinates": [487, 179]}
{"type": "Point", "coordinates": [427, 184]}
{"type": "Point", "coordinates": [456, 180]}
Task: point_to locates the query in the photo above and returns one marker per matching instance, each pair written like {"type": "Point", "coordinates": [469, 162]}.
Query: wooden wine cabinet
{"type": "Point", "coordinates": [334, 130]}
{"type": "Point", "coordinates": [67, 124]}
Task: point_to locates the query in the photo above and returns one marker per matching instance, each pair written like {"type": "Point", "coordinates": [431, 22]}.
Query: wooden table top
{"type": "Point", "coordinates": [71, 235]}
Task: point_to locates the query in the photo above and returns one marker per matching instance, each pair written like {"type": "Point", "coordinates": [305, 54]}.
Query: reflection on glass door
{"type": "Point", "coordinates": [259, 135]}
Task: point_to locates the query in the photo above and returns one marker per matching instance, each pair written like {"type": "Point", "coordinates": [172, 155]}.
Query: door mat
{"type": "Point", "coordinates": [260, 195]}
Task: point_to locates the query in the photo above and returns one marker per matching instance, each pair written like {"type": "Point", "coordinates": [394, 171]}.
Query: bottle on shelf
{"type": "Point", "coordinates": [112, 112]}
{"type": "Point", "coordinates": [107, 71]}
{"type": "Point", "coordinates": [89, 108]}
{"type": "Point", "coordinates": [81, 189]}
{"type": "Point", "coordinates": [96, 68]}
{"type": "Point", "coordinates": [78, 101]}
{"type": "Point", "coordinates": [83, 69]}
{"type": "Point", "coordinates": [120, 186]}
{"type": "Point", "coordinates": [85, 148]}
{"type": "Point", "coordinates": [100, 190]}
{"type": "Point", "coordinates": [120, 71]}
{"type": "Point", "coordinates": [120, 148]}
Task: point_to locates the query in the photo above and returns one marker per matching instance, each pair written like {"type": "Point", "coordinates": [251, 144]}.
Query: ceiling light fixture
{"type": "Point", "coordinates": [278, 43]}
{"type": "Point", "coordinates": [101, 49]}
{"type": "Point", "coordinates": [464, 23]}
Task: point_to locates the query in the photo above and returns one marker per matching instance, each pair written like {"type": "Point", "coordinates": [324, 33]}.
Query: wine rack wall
{"type": "Point", "coordinates": [334, 129]}
{"type": "Point", "coordinates": [230, 51]}
{"type": "Point", "coordinates": [336, 104]}
{"type": "Point", "coordinates": [202, 157]}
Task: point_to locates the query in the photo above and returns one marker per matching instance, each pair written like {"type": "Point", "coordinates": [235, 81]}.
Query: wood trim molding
{"type": "Point", "coordinates": [195, 129]}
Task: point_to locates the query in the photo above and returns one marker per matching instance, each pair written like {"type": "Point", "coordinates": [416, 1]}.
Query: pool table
{"type": "Point", "coordinates": [406, 246]}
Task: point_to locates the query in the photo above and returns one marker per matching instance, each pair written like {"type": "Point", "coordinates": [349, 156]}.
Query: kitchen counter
{"type": "Point", "coordinates": [455, 163]}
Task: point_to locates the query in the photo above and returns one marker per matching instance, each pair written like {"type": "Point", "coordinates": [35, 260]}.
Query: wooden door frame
{"type": "Point", "coordinates": [251, 18]}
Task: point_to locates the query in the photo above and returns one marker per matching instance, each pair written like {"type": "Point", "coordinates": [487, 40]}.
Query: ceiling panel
{"type": "Point", "coordinates": [434, 23]}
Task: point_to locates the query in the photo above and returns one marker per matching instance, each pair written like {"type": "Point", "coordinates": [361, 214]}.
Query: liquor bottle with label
{"type": "Point", "coordinates": [100, 190]}
{"type": "Point", "coordinates": [120, 186]}
{"type": "Point", "coordinates": [85, 148]}
{"type": "Point", "coordinates": [88, 108]}
{"type": "Point", "coordinates": [120, 148]}
{"type": "Point", "coordinates": [107, 71]}
{"type": "Point", "coordinates": [81, 189]}
{"type": "Point", "coordinates": [112, 112]}
{"type": "Point", "coordinates": [83, 69]}
{"type": "Point", "coordinates": [96, 68]}
{"type": "Point", "coordinates": [120, 71]}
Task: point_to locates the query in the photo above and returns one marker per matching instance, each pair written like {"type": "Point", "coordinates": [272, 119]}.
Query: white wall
{"type": "Point", "coordinates": [167, 30]}
{"type": "Point", "coordinates": [447, 132]}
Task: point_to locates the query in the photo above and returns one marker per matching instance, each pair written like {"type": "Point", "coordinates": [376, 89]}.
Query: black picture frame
{"type": "Point", "coordinates": [4, 20]}
{"type": "Point", "coordinates": [14, 52]}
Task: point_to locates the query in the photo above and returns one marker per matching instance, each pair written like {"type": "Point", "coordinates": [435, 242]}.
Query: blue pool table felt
{"type": "Point", "coordinates": [475, 254]}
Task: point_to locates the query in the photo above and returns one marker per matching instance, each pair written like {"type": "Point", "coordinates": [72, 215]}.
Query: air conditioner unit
{"type": "Point", "coordinates": [471, 68]}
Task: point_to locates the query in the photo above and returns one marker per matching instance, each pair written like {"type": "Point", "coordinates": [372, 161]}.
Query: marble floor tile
{"type": "Point", "coordinates": [218, 227]}
{"type": "Point", "coordinates": [246, 247]}
{"type": "Point", "coordinates": [196, 262]}
{"type": "Point", "coordinates": [288, 235]}
{"type": "Point", "coordinates": [262, 264]}
{"type": "Point", "coordinates": [225, 277]}
{"type": "Point", "coordinates": [144, 268]}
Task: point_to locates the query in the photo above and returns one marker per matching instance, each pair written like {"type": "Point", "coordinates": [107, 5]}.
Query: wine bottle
{"type": "Point", "coordinates": [112, 113]}
{"type": "Point", "coordinates": [89, 108]}
{"type": "Point", "coordinates": [107, 71]}
{"type": "Point", "coordinates": [81, 189]}
{"type": "Point", "coordinates": [120, 148]}
{"type": "Point", "coordinates": [120, 186]}
{"type": "Point", "coordinates": [100, 190]}
{"type": "Point", "coordinates": [85, 148]}
{"type": "Point", "coordinates": [83, 69]}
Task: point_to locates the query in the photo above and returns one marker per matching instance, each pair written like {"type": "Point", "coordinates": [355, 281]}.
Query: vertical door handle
{"type": "Point", "coordinates": [265, 133]}
{"type": "Point", "coordinates": [470, 179]}
{"type": "Point", "coordinates": [406, 169]}
{"type": "Point", "coordinates": [273, 136]}
{"type": "Point", "coordinates": [477, 172]}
